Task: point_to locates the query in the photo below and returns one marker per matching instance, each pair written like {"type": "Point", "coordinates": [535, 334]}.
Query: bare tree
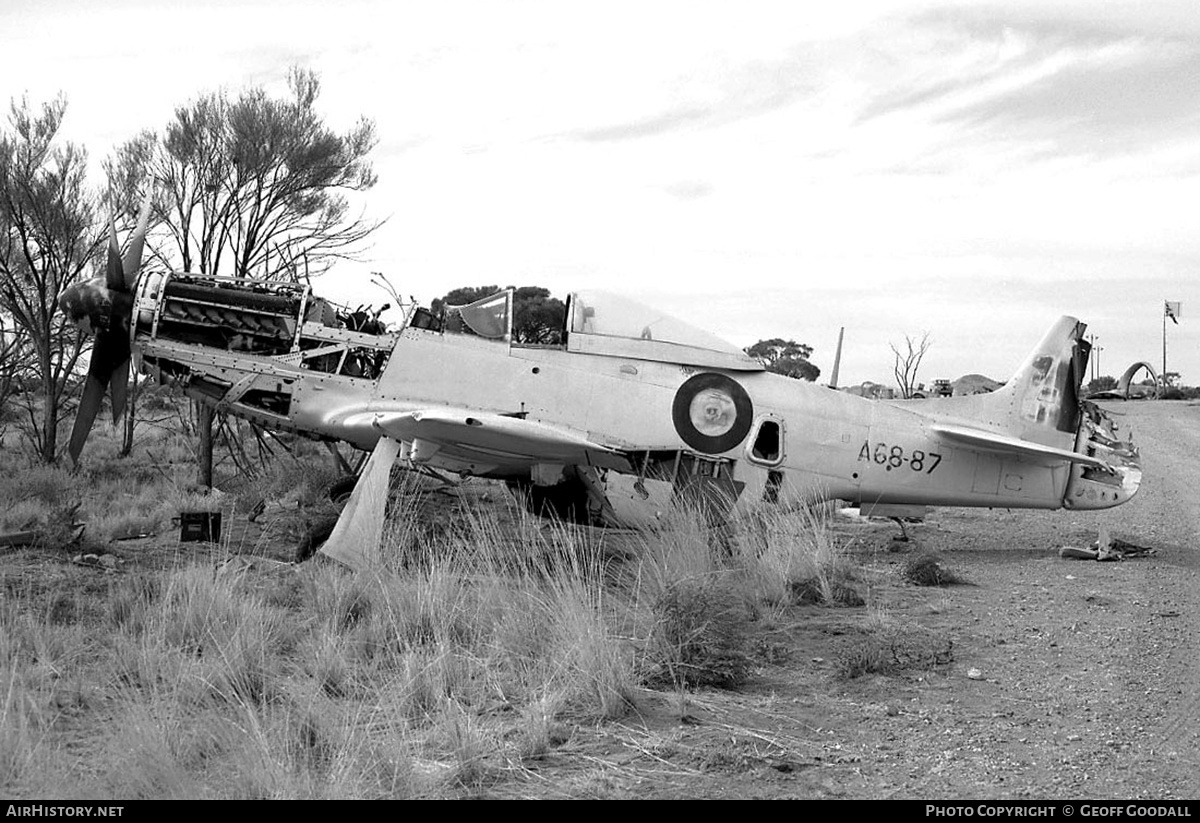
{"type": "Point", "coordinates": [249, 187]}
{"type": "Point", "coordinates": [12, 362]}
{"type": "Point", "coordinates": [47, 242]}
{"type": "Point", "coordinates": [252, 187]}
{"type": "Point", "coordinates": [908, 362]}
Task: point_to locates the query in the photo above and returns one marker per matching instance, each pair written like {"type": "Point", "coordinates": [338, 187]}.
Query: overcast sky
{"type": "Point", "coordinates": [762, 169]}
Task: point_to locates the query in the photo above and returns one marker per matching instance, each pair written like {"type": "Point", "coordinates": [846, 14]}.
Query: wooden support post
{"type": "Point", "coordinates": [204, 457]}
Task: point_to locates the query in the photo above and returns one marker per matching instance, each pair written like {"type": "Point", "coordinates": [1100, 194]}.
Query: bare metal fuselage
{"type": "Point", "coordinates": [325, 381]}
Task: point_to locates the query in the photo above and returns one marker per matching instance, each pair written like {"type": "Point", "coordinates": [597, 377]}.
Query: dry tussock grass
{"type": "Point", "coordinates": [140, 494]}
{"type": "Point", "coordinates": [885, 644]}
{"type": "Point", "coordinates": [477, 647]}
{"type": "Point", "coordinates": [926, 569]}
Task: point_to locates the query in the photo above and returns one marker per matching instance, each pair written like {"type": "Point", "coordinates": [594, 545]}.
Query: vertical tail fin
{"type": "Point", "coordinates": [1038, 415]}
{"type": "Point", "coordinates": [1041, 401]}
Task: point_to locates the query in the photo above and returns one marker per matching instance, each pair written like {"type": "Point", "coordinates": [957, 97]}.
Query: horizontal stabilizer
{"type": "Point", "coordinates": [991, 441]}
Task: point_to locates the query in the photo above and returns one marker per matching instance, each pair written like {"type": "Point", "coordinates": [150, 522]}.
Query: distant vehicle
{"type": "Point", "coordinates": [633, 412]}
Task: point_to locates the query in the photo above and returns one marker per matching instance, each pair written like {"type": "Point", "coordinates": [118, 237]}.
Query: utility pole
{"type": "Point", "coordinates": [1171, 310]}
{"type": "Point", "coordinates": [1095, 363]}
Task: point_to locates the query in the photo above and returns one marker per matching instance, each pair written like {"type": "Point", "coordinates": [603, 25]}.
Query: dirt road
{"type": "Point", "coordinates": [1091, 671]}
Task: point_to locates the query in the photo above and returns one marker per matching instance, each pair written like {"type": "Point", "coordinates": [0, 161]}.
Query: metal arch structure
{"type": "Point", "coordinates": [1127, 378]}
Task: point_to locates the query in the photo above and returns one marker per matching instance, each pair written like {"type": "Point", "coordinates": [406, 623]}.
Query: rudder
{"type": "Point", "coordinates": [1043, 395]}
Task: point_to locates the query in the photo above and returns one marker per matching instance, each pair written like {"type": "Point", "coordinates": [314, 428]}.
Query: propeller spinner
{"type": "Point", "coordinates": [104, 306]}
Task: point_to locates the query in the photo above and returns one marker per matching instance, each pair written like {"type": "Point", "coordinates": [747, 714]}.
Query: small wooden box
{"type": "Point", "coordinates": [200, 527]}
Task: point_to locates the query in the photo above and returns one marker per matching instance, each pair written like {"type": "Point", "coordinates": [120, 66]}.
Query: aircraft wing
{"type": "Point", "coordinates": [460, 439]}
{"type": "Point", "coordinates": [493, 437]}
{"type": "Point", "coordinates": [992, 441]}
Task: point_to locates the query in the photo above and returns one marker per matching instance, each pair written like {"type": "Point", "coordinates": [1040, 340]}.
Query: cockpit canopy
{"type": "Point", "coordinates": [603, 323]}
{"type": "Point", "coordinates": [490, 317]}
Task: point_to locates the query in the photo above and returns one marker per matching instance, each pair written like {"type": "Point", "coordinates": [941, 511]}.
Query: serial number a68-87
{"type": "Point", "coordinates": [895, 457]}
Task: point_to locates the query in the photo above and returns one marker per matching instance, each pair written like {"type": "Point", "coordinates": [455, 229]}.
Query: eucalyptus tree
{"type": "Point", "coordinates": [48, 240]}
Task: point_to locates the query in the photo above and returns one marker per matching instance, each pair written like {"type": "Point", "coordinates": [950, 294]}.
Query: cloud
{"type": "Point", "coordinates": [689, 189]}
{"type": "Point", "coordinates": [1108, 103]}
{"type": "Point", "coordinates": [1082, 86]}
{"type": "Point", "coordinates": [648, 126]}
{"type": "Point", "coordinates": [720, 91]}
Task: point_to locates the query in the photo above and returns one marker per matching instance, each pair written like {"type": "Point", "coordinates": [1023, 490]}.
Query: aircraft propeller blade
{"type": "Point", "coordinates": [109, 369]}
{"type": "Point", "coordinates": [133, 255]}
{"type": "Point", "coordinates": [89, 407]}
{"type": "Point", "coordinates": [115, 275]}
{"type": "Point", "coordinates": [118, 387]}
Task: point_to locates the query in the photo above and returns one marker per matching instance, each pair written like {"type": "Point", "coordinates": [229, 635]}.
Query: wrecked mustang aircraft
{"type": "Point", "coordinates": [634, 411]}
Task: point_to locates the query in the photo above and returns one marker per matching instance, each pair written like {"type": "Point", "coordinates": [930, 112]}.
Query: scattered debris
{"type": "Point", "coordinates": [106, 562]}
{"type": "Point", "coordinates": [240, 564]}
{"type": "Point", "coordinates": [21, 538]}
{"type": "Point", "coordinates": [1106, 548]}
{"type": "Point", "coordinates": [1075, 553]}
{"type": "Point", "coordinates": [134, 535]}
{"type": "Point", "coordinates": [257, 510]}
{"type": "Point", "coordinates": [67, 534]}
{"type": "Point", "coordinates": [1126, 549]}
